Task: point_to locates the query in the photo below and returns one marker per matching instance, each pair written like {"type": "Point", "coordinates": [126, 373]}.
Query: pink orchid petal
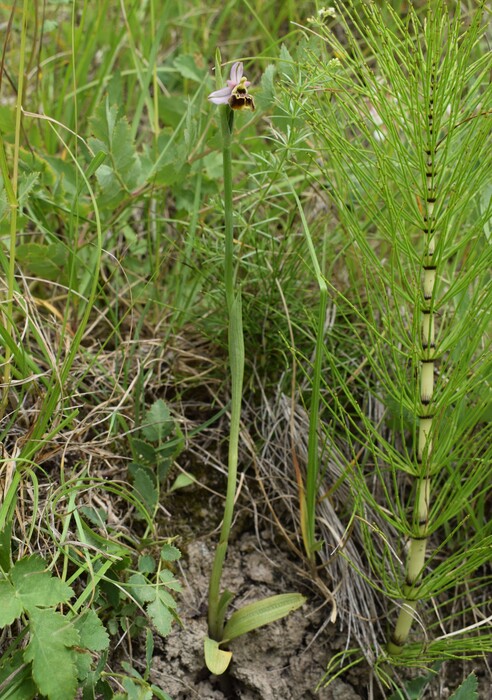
{"type": "Point", "coordinates": [220, 97]}
{"type": "Point", "coordinates": [236, 72]}
{"type": "Point", "coordinates": [219, 100]}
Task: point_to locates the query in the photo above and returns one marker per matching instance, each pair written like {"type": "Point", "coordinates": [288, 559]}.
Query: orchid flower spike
{"type": "Point", "coordinates": [236, 93]}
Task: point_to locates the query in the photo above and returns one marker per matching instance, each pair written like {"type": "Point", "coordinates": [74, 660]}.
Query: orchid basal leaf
{"type": "Point", "coordinates": [260, 613]}
{"type": "Point", "coordinates": [217, 660]}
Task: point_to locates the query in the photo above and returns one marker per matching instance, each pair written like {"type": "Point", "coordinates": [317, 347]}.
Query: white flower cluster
{"type": "Point", "coordinates": [323, 14]}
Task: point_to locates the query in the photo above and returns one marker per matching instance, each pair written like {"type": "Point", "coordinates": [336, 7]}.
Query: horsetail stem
{"type": "Point", "coordinates": [425, 435]}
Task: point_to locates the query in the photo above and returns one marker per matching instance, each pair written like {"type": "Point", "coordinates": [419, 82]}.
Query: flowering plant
{"type": "Point", "coordinates": [235, 94]}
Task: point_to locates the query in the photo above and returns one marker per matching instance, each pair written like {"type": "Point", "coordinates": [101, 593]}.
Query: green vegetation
{"type": "Point", "coordinates": [307, 283]}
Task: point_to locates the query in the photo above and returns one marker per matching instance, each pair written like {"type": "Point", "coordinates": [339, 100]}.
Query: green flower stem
{"type": "Point", "coordinates": [216, 605]}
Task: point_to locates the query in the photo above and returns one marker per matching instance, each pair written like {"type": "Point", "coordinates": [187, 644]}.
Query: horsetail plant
{"type": "Point", "coordinates": [234, 96]}
{"type": "Point", "coordinates": [402, 130]}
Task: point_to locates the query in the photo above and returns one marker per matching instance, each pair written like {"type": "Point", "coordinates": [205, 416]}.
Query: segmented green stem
{"type": "Point", "coordinates": [427, 345]}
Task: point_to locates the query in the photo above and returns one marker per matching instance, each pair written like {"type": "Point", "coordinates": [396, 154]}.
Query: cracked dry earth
{"type": "Point", "coordinates": [282, 661]}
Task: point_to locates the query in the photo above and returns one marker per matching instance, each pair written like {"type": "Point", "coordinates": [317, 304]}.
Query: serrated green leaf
{"type": "Point", "coordinates": [49, 650]}
{"type": "Point", "coordinates": [141, 589]}
{"type": "Point", "coordinates": [145, 487]}
{"type": "Point", "coordinates": [167, 578]}
{"type": "Point", "coordinates": [10, 606]}
{"type": "Point", "coordinates": [170, 553]}
{"type": "Point", "coordinates": [93, 635]}
{"type": "Point", "coordinates": [467, 690]}
{"type": "Point", "coordinates": [47, 261]}
{"type": "Point", "coordinates": [266, 96]}
{"type": "Point", "coordinates": [97, 516]}
{"type": "Point", "coordinates": [160, 614]}
{"type": "Point", "coordinates": [113, 136]}
{"type": "Point", "coordinates": [216, 659]}
{"type": "Point", "coordinates": [108, 182]}
{"type": "Point", "coordinates": [158, 422]}
{"type": "Point", "coordinates": [144, 452]}
{"type": "Point", "coordinates": [146, 564]}
{"type": "Point", "coordinates": [26, 185]}
{"type": "Point", "coordinates": [83, 661]}
{"type": "Point", "coordinates": [31, 586]}
{"type": "Point", "coordinates": [286, 63]}
{"type": "Point", "coordinates": [260, 613]}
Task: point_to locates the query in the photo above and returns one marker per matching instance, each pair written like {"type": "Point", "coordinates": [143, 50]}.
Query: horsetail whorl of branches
{"type": "Point", "coordinates": [425, 436]}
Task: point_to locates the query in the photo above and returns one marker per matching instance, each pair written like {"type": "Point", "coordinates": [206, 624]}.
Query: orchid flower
{"type": "Point", "coordinates": [236, 93]}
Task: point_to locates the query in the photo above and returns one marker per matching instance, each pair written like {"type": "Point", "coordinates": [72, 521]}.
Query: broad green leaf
{"type": "Point", "coordinates": [286, 65]}
{"type": "Point", "coordinates": [266, 97]}
{"type": "Point", "coordinates": [158, 422]}
{"type": "Point", "coordinates": [26, 185]}
{"type": "Point", "coordinates": [145, 487]}
{"type": "Point", "coordinates": [54, 670]}
{"type": "Point", "coordinates": [83, 661]}
{"type": "Point", "coordinates": [92, 632]}
{"type": "Point", "coordinates": [146, 564]}
{"type": "Point", "coordinates": [216, 659]}
{"type": "Point", "coordinates": [47, 261]}
{"type": "Point", "coordinates": [28, 586]}
{"type": "Point", "coordinates": [144, 452]}
{"type": "Point", "coordinates": [261, 613]}
{"type": "Point", "coordinates": [141, 589]}
{"type": "Point", "coordinates": [467, 690]}
{"type": "Point", "coordinates": [113, 136]}
{"type": "Point", "coordinates": [10, 606]}
{"type": "Point", "coordinates": [159, 611]}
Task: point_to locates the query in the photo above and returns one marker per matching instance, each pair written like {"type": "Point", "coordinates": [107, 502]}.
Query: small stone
{"type": "Point", "coordinates": [258, 569]}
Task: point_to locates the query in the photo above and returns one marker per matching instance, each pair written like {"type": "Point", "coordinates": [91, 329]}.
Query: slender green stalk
{"type": "Point", "coordinates": [216, 611]}
{"type": "Point", "coordinates": [11, 189]}
{"type": "Point", "coordinates": [308, 501]}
